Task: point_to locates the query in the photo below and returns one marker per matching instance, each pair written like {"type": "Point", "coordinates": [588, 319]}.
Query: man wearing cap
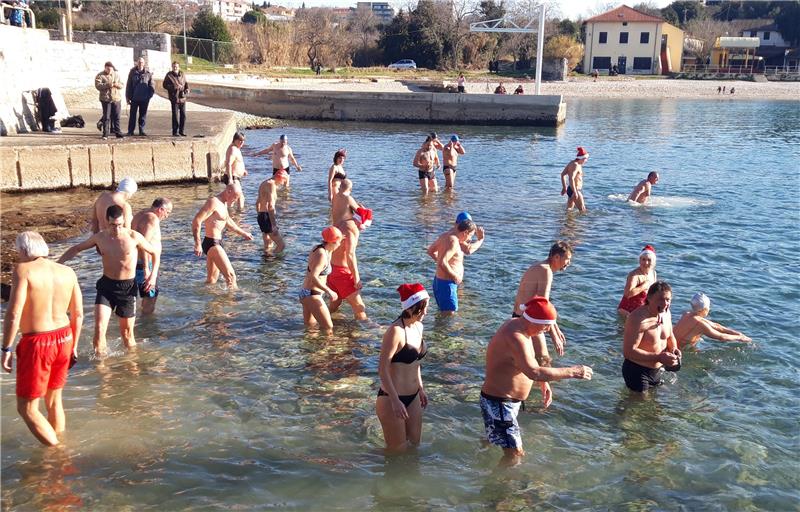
{"type": "Point", "coordinates": [148, 223]}
{"type": "Point", "coordinates": [511, 369]}
{"type": "Point", "coordinates": [426, 160]}
{"type": "Point", "coordinates": [572, 181]}
{"type": "Point", "coordinates": [282, 155]}
{"type": "Point", "coordinates": [126, 188]}
{"type": "Point", "coordinates": [138, 92]}
{"type": "Point", "coordinates": [234, 167]}
{"type": "Point", "coordinates": [450, 154]}
{"type": "Point", "coordinates": [642, 190]}
{"type": "Point", "coordinates": [694, 324]}
{"type": "Point", "coordinates": [265, 206]}
{"type": "Point", "coordinates": [109, 85]}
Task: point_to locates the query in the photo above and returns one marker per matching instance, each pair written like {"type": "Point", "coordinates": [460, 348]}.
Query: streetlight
{"type": "Point", "coordinates": [182, 7]}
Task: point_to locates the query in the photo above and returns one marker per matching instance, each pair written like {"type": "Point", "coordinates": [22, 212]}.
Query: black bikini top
{"type": "Point", "coordinates": [327, 269]}
{"type": "Point", "coordinates": [339, 176]}
{"type": "Point", "coordinates": [409, 354]}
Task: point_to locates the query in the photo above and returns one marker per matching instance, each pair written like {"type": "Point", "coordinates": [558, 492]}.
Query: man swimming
{"type": "Point", "coordinates": [265, 206]}
{"type": "Point", "coordinates": [450, 153]}
{"type": "Point", "coordinates": [426, 160]}
{"type": "Point", "coordinates": [572, 181]}
{"type": "Point", "coordinates": [282, 154]}
{"type": "Point", "coordinates": [234, 166]}
{"type": "Point", "coordinates": [694, 324]}
{"type": "Point", "coordinates": [148, 223]}
{"type": "Point", "coordinates": [642, 190]}
{"type": "Point", "coordinates": [126, 188]}
{"type": "Point", "coordinates": [448, 251]}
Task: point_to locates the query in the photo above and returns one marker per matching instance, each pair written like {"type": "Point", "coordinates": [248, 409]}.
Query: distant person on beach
{"type": "Point", "coordinates": [345, 278]}
{"type": "Point", "coordinates": [336, 173]}
{"type": "Point", "coordinates": [126, 188]}
{"type": "Point", "coordinates": [648, 345]}
{"type": "Point", "coordinates": [595, 74]}
{"type": "Point", "coordinates": [401, 396]}
{"type": "Point", "coordinates": [344, 205]}
{"type": "Point", "coordinates": [109, 85]}
{"type": "Point", "coordinates": [450, 153]}
{"type": "Point", "coordinates": [511, 370]}
{"type": "Point", "coordinates": [42, 294]}
{"type": "Point", "coordinates": [138, 91]}
{"type": "Point", "coordinates": [448, 251]}
{"type": "Point", "coordinates": [461, 83]}
{"type": "Point", "coordinates": [120, 247]}
{"type": "Point", "coordinates": [733, 89]}
{"type": "Point", "coordinates": [572, 181]}
{"type": "Point", "coordinates": [148, 223]}
{"type": "Point", "coordinates": [177, 89]}
{"type": "Point", "coordinates": [265, 208]}
{"type": "Point", "coordinates": [315, 311]}
{"type": "Point", "coordinates": [719, 89]}
{"type": "Point", "coordinates": [695, 323]}
{"type": "Point", "coordinates": [214, 214]}
{"type": "Point", "coordinates": [426, 160]}
{"type": "Point", "coordinates": [234, 167]}
{"type": "Point", "coordinates": [723, 89]}
{"type": "Point", "coordinates": [642, 190]}
{"type": "Point", "coordinates": [519, 90]}
{"type": "Point", "coordinates": [282, 155]}
{"type": "Point", "coordinates": [500, 89]}
{"type": "Point", "coordinates": [639, 281]}
{"type": "Point", "coordinates": [537, 281]}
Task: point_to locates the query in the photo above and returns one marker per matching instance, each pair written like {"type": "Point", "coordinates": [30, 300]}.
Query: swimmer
{"type": "Point", "coordinates": [639, 281]}
{"type": "Point", "coordinates": [214, 215]}
{"type": "Point", "coordinates": [148, 223]}
{"type": "Point", "coordinates": [511, 369]}
{"type": "Point", "coordinates": [450, 154]}
{"type": "Point", "coordinates": [282, 155]}
{"type": "Point", "coordinates": [126, 188]}
{"type": "Point", "coordinates": [345, 278]}
{"type": "Point", "coordinates": [641, 192]}
{"type": "Point", "coordinates": [435, 142]}
{"type": "Point", "coordinates": [448, 251]}
{"type": "Point", "coordinates": [537, 281]}
{"type": "Point", "coordinates": [315, 312]}
{"type": "Point", "coordinates": [572, 181]}
{"type": "Point", "coordinates": [426, 160]}
{"type": "Point", "coordinates": [694, 324]}
{"type": "Point", "coordinates": [336, 174]}
{"type": "Point", "coordinates": [648, 345]}
{"type": "Point", "coordinates": [234, 167]}
{"type": "Point", "coordinates": [265, 206]}
{"type": "Point", "coordinates": [343, 205]}
{"type": "Point", "coordinates": [47, 306]}
{"type": "Point", "coordinates": [401, 396]}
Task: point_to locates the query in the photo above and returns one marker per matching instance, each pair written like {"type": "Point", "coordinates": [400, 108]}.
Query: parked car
{"type": "Point", "coordinates": [403, 64]}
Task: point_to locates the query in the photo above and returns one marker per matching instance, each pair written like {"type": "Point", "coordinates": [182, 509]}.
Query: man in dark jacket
{"type": "Point", "coordinates": [138, 92]}
{"type": "Point", "coordinates": [178, 89]}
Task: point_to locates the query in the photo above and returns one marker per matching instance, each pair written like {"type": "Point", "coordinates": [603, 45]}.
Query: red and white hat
{"type": "Point", "coordinates": [363, 217]}
{"type": "Point", "coordinates": [582, 154]}
{"type": "Point", "coordinates": [410, 294]}
{"type": "Point", "coordinates": [539, 310]}
{"type": "Point", "coordinates": [648, 250]}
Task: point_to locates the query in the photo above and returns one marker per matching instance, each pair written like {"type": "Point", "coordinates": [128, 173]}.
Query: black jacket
{"type": "Point", "coordinates": [140, 85]}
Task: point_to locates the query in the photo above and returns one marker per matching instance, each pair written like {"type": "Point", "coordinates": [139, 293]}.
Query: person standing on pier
{"type": "Point", "coordinates": [148, 223]}
{"type": "Point", "coordinates": [177, 88]}
{"type": "Point", "coordinates": [282, 155]}
{"type": "Point", "coordinates": [109, 85]}
{"type": "Point", "coordinates": [138, 92]}
{"type": "Point", "coordinates": [572, 181]}
{"type": "Point", "coordinates": [450, 154]}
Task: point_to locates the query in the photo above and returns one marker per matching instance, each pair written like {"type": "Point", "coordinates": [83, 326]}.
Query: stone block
{"type": "Point", "coordinates": [200, 159]}
{"type": "Point", "coordinates": [79, 166]}
{"type": "Point", "coordinates": [44, 168]}
{"type": "Point", "coordinates": [133, 160]}
{"type": "Point", "coordinates": [172, 161]}
{"type": "Point", "coordinates": [8, 169]}
{"type": "Point", "coordinates": [102, 172]}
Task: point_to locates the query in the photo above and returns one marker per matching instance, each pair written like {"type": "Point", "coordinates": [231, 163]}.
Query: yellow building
{"type": "Point", "coordinates": [636, 42]}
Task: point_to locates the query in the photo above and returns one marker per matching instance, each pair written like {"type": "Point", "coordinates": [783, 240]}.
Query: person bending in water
{"type": "Point", "coordinates": [695, 324]}
{"type": "Point", "coordinates": [125, 190]}
{"type": "Point", "coordinates": [315, 312]}
{"type": "Point", "coordinates": [345, 278]}
{"type": "Point", "coordinates": [214, 215]}
{"type": "Point", "coordinates": [281, 154]}
{"type": "Point", "coordinates": [648, 345]}
{"type": "Point", "coordinates": [537, 281]}
{"type": "Point", "coordinates": [572, 181]}
{"type": "Point", "coordinates": [148, 223]}
{"type": "Point", "coordinates": [639, 281]}
{"type": "Point", "coordinates": [234, 167]}
{"type": "Point", "coordinates": [450, 154]}
{"type": "Point", "coordinates": [641, 192]}
{"type": "Point", "coordinates": [426, 160]}
{"type": "Point", "coordinates": [511, 369]}
{"type": "Point", "coordinates": [448, 251]}
{"type": "Point", "coordinates": [336, 174]}
{"type": "Point", "coordinates": [265, 206]}
{"type": "Point", "coordinates": [401, 396]}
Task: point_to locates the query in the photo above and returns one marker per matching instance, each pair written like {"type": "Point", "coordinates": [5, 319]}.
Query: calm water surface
{"type": "Point", "coordinates": [228, 403]}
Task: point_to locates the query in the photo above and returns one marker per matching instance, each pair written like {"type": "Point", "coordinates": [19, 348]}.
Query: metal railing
{"type": "Point", "coordinates": [741, 69]}
{"type": "Point", "coordinates": [215, 53]}
{"type": "Point", "coordinates": [6, 20]}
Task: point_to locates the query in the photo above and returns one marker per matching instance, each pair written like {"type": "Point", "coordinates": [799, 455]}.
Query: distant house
{"type": "Point", "coordinates": [230, 10]}
{"type": "Point", "coordinates": [637, 42]}
{"type": "Point", "coordinates": [772, 48]}
{"type": "Point", "coordinates": [382, 10]}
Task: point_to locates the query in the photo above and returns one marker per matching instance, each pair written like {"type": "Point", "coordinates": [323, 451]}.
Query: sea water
{"type": "Point", "coordinates": [228, 403]}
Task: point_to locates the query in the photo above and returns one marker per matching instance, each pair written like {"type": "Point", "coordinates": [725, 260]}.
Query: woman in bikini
{"type": "Point", "coordinates": [639, 281]}
{"type": "Point", "coordinates": [315, 311]}
{"type": "Point", "coordinates": [336, 173]}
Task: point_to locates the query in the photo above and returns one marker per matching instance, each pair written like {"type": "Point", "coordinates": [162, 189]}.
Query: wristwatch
{"type": "Point", "coordinates": [5, 349]}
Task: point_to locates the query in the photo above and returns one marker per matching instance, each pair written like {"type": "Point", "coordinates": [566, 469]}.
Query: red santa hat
{"type": "Point", "coordinates": [539, 310]}
{"type": "Point", "coordinates": [582, 154]}
{"type": "Point", "coordinates": [410, 294]}
{"type": "Point", "coordinates": [648, 250]}
{"type": "Point", "coordinates": [363, 217]}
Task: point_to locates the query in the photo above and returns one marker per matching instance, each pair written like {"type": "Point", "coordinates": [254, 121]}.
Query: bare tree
{"type": "Point", "coordinates": [140, 15]}
{"type": "Point", "coordinates": [708, 30]}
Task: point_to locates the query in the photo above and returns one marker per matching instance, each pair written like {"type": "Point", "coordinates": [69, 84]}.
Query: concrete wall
{"type": "Point", "coordinates": [139, 41]}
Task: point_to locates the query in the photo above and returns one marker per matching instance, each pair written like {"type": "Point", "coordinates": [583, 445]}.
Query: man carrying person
{"type": "Point", "coordinates": [214, 214]}
{"type": "Point", "coordinates": [42, 293]}
{"type": "Point", "coordinates": [234, 167]}
{"type": "Point", "coordinates": [116, 290]}
{"type": "Point", "coordinates": [138, 92]}
{"type": "Point", "coordinates": [694, 324]}
{"type": "Point", "coordinates": [126, 188]}
{"type": "Point", "coordinates": [450, 154]}
{"type": "Point", "coordinates": [282, 155]}
{"type": "Point", "coordinates": [426, 160]}
{"type": "Point", "coordinates": [344, 278]}
{"type": "Point", "coordinates": [641, 191]}
{"type": "Point", "coordinates": [511, 369]}
{"type": "Point", "coordinates": [148, 223]}
{"type": "Point", "coordinates": [265, 206]}
{"type": "Point", "coordinates": [537, 281]}
{"type": "Point", "coordinates": [572, 181]}
{"type": "Point", "coordinates": [109, 85]}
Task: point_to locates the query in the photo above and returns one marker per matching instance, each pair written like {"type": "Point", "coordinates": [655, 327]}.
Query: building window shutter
{"type": "Point", "coordinates": [603, 37]}
{"type": "Point", "coordinates": [644, 38]}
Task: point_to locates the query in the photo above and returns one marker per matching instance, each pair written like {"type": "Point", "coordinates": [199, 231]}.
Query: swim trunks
{"type": "Point", "coordinates": [447, 168]}
{"type": "Point", "coordinates": [570, 192]}
{"type": "Point", "coordinates": [305, 292]}
{"type": "Point", "coordinates": [264, 222]}
{"type": "Point", "coordinates": [208, 243]}
{"type": "Point", "coordinates": [276, 169]}
{"type": "Point", "coordinates": [225, 180]}
{"type": "Point", "coordinates": [631, 303]}
{"type": "Point", "coordinates": [153, 293]}
{"type": "Point", "coordinates": [406, 399]}
{"type": "Point", "coordinates": [640, 378]}
{"type": "Point", "coordinates": [426, 175]}
{"type": "Point", "coordinates": [341, 281]}
{"type": "Point", "coordinates": [119, 295]}
{"type": "Point", "coordinates": [500, 421]}
{"type": "Point", "coordinates": [43, 361]}
{"type": "Point", "coordinates": [446, 294]}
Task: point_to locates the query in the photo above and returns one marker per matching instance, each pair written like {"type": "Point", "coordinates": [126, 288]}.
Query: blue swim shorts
{"type": "Point", "coordinates": [446, 294]}
{"type": "Point", "coordinates": [500, 421]}
{"type": "Point", "coordinates": [139, 279]}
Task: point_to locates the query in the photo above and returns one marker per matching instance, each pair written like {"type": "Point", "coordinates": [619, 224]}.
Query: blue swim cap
{"type": "Point", "coordinates": [461, 217]}
{"type": "Point", "coordinates": [454, 138]}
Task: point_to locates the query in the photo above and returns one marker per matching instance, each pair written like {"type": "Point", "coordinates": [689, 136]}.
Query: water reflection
{"type": "Point", "coordinates": [49, 479]}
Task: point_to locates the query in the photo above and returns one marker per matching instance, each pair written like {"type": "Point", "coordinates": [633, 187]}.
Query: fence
{"type": "Point", "coordinates": [205, 52]}
{"type": "Point", "coordinates": [7, 18]}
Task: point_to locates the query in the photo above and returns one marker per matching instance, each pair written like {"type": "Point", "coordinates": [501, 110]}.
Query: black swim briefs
{"type": "Point", "coordinates": [208, 243]}
{"type": "Point", "coordinates": [426, 175]}
{"type": "Point", "coordinates": [641, 378]}
{"type": "Point", "coordinates": [119, 295]}
{"type": "Point", "coordinates": [264, 222]}
{"type": "Point", "coordinates": [570, 192]}
{"type": "Point", "coordinates": [225, 180]}
{"type": "Point", "coordinates": [447, 168]}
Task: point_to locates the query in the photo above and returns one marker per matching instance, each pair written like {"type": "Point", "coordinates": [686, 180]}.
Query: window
{"type": "Point", "coordinates": [753, 33]}
{"type": "Point", "coordinates": [623, 38]}
{"type": "Point", "coordinates": [624, 23]}
{"type": "Point", "coordinates": [601, 63]}
{"type": "Point", "coordinates": [644, 38]}
{"type": "Point", "coordinates": [642, 63]}
{"type": "Point", "coordinates": [766, 36]}
{"type": "Point", "coordinates": [603, 37]}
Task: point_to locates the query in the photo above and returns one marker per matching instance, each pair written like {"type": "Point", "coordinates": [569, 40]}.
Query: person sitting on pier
{"type": "Point", "coordinates": [500, 89]}
{"type": "Point", "coordinates": [519, 90]}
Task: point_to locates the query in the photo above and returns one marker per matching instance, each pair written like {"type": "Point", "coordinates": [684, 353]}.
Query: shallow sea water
{"type": "Point", "coordinates": [229, 403]}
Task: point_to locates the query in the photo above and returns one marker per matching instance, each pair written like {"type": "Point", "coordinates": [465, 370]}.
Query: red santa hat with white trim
{"type": "Point", "coordinates": [410, 294]}
{"type": "Point", "coordinates": [582, 154]}
{"type": "Point", "coordinates": [539, 310]}
{"type": "Point", "coordinates": [363, 217]}
{"type": "Point", "coordinates": [648, 250]}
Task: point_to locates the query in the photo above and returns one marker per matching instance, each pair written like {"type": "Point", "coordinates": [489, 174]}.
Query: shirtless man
{"type": "Point", "coordinates": [281, 156]}
{"type": "Point", "coordinates": [572, 181]}
{"type": "Point", "coordinates": [126, 188]}
{"type": "Point", "coordinates": [448, 251]}
{"type": "Point", "coordinates": [214, 214]}
{"type": "Point", "coordinates": [116, 290]}
{"type": "Point", "coordinates": [641, 192]}
{"type": "Point", "coordinates": [265, 206]}
{"type": "Point", "coordinates": [695, 324]}
{"type": "Point", "coordinates": [536, 281]}
{"type": "Point", "coordinates": [450, 154]}
{"type": "Point", "coordinates": [148, 223]}
{"type": "Point", "coordinates": [426, 160]}
{"type": "Point", "coordinates": [343, 205]}
{"type": "Point", "coordinates": [234, 166]}
{"type": "Point", "coordinates": [511, 369]}
{"type": "Point", "coordinates": [648, 344]}
{"type": "Point", "coordinates": [42, 292]}
{"type": "Point", "coordinates": [344, 278]}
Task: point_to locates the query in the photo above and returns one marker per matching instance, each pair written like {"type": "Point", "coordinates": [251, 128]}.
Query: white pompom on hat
{"type": "Point", "coordinates": [363, 217]}
{"type": "Point", "coordinates": [539, 310]}
{"type": "Point", "coordinates": [410, 294]}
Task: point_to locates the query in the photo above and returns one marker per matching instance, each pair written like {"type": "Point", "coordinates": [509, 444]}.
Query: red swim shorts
{"type": "Point", "coordinates": [341, 281]}
{"type": "Point", "coordinates": [43, 361]}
